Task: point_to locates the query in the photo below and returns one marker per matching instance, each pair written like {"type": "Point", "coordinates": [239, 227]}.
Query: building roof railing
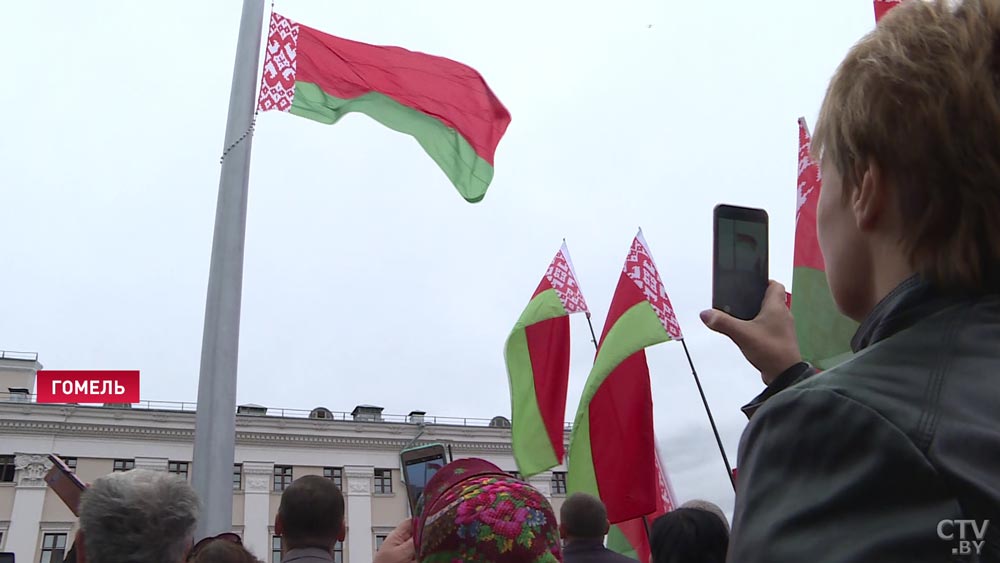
{"type": "Point", "coordinates": [261, 411]}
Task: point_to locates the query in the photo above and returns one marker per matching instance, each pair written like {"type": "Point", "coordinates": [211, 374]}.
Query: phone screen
{"type": "Point", "coordinates": [6, 558]}
{"type": "Point", "coordinates": [741, 261]}
{"type": "Point", "coordinates": [419, 471]}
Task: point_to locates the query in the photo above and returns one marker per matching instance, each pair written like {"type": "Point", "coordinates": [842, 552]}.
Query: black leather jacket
{"type": "Point", "coordinates": [871, 461]}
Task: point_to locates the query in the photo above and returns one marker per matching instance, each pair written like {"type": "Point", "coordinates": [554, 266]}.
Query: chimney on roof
{"type": "Point", "coordinates": [417, 417]}
{"type": "Point", "coordinates": [367, 413]}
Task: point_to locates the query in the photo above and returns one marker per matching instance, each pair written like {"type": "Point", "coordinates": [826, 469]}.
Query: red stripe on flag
{"type": "Point", "coordinates": [448, 91]}
{"type": "Point", "coordinates": [549, 349]}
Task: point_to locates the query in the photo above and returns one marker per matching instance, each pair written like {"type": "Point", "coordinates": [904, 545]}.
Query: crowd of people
{"type": "Point", "coordinates": [472, 511]}
{"type": "Point", "coordinates": [863, 462]}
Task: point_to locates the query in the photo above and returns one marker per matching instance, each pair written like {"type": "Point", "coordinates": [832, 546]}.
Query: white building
{"type": "Point", "coordinates": [359, 451]}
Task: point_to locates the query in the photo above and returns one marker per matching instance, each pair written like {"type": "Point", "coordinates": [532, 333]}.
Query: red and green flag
{"type": "Point", "coordinates": [612, 448]}
{"type": "Point", "coordinates": [630, 538]}
{"type": "Point", "coordinates": [883, 6]}
{"type": "Point", "coordinates": [537, 356]}
{"type": "Point", "coordinates": [824, 334]}
{"type": "Point", "coordinates": [446, 106]}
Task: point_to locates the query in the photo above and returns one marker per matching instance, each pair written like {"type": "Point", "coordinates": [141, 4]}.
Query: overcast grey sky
{"type": "Point", "coordinates": [367, 278]}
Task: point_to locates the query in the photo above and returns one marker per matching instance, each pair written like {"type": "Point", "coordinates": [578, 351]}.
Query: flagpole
{"type": "Point", "coordinates": [593, 336]}
{"type": "Point", "coordinates": [215, 426]}
{"type": "Point", "coordinates": [718, 439]}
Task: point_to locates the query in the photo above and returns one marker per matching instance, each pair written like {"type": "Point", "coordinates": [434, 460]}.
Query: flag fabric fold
{"type": "Point", "coordinates": [612, 447]}
{"type": "Point", "coordinates": [629, 538]}
{"type": "Point", "coordinates": [824, 334]}
{"type": "Point", "coordinates": [446, 106]}
{"type": "Point", "coordinates": [537, 356]}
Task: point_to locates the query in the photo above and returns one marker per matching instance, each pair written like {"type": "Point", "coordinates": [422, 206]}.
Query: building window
{"type": "Point", "coordinates": [383, 481]}
{"type": "Point", "coordinates": [179, 468]}
{"type": "Point", "coordinates": [559, 482]}
{"type": "Point", "coordinates": [53, 548]}
{"type": "Point", "coordinates": [338, 552]}
{"type": "Point", "coordinates": [6, 469]}
{"type": "Point", "coordinates": [237, 476]}
{"type": "Point", "coordinates": [335, 474]}
{"type": "Point", "coordinates": [275, 549]}
{"type": "Point", "coordinates": [516, 475]}
{"type": "Point", "coordinates": [282, 477]}
{"type": "Point", "coordinates": [70, 463]}
{"type": "Point", "coordinates": [379, 540]}
{"type": "Point", "coordinates": [124, 465]}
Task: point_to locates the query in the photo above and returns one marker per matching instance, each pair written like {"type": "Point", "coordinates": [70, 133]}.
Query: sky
{"type": "Point", "coordinates": [367, 278]}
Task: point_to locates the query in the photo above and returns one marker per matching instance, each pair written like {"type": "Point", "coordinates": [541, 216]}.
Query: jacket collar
{"type": "Point", "coordinates": [911, 301]}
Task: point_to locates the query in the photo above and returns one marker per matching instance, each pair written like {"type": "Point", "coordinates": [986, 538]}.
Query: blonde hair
{"type": "Point", "coordinates": [919, 97]}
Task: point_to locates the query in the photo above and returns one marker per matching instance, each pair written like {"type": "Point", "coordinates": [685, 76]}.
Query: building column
{"type": "Point", "coordinates": [358, 480]}
{"type": "Point", "coordinates": [258, 480]}
{"type": "Point", "coordinates": [151, 463]}
{"type": "Point", "coordinates": [543, 483]}
{"type": "Point", "coordinates": [29, 499]}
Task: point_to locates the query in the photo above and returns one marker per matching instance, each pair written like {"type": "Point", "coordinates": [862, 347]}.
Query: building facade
{"type": "Point", "coordinates": [359, 451]}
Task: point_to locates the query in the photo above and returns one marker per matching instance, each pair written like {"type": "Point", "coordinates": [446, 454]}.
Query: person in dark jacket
{"type": "Point", "coordinates": [583, 523]}
{"type": "Point", "coordinates": [893, 455]}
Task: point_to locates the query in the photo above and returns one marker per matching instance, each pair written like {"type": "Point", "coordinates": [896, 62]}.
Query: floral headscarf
{"type": "Point", "coordinates": [473, 511]}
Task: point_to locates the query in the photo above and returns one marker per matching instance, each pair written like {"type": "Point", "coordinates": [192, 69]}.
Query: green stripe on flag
{"type": "Point", "coordinates": [469, 173]}
{"type": "Point", "coordinates": [618, 543]}
{"type": "Point", "coordinates": [824, 334]}
{"type": "Point", "coordinates": [532, 447]}
{"type": "Point", "coordinates": [636, 329]}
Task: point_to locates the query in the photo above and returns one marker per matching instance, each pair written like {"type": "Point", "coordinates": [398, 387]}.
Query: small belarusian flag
{"type": "Point", "coordinates": [824, 334]}
{"type": "Point", "coordinates": [883, 6]}
{"type": "Point", "coordinates": [612, 448]}
{"type": "Point", "coordinates": [445, 105]}
{"type": "Point", "coordinates": [537, 356]}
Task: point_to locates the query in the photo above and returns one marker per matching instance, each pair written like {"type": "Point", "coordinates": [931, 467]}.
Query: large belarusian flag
{"type": "Point", "coordinates": [537, 356]}
{"type": "Point", "coordinates": [612, 449]}
{"type": "Point", "coordinates": [883, 6]}
{"type": "Point", "coordinates": [445, 105]}
{"type": "Point", "coordinates": [824, 334]}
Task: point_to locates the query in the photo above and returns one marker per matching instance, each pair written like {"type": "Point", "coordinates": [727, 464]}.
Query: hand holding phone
{"type": "Point", "coordinates": [740, 265]}
{"type": "Point", "coordinates": [419, 465]}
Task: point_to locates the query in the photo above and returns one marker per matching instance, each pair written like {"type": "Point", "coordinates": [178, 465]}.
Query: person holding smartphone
{"type": "Point", "coordinates": [878, 458]}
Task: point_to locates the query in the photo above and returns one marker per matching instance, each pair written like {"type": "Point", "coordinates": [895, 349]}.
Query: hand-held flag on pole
{"type": "Point", "coordinates": [537, 356]}
{"type": "Point", "coordinates": [824, 334]}
{"type": "Point", "coordinates": [446, 106]}
{"type": "Point", "coordinates": [612, 448]}
{"type": "Point", "coordinates": [882, 7]}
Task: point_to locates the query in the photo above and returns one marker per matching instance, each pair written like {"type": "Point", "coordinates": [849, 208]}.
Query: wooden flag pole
{"type": "Point", "coordinates": [718, 439]}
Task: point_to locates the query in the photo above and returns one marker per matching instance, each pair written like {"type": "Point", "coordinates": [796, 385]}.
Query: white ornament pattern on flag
{"type": "Point", "coordinates": [641, 269]}
{"type": "Point", "coordinates": [560, 276]}
{"type": "Point", "coordinates": [277, 88]}
{"type": "Point", "coordinates": [807, 168]}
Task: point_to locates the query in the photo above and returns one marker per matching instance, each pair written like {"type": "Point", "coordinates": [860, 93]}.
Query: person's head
{"type": "Point", "coordinates": [311, 514]}
{"type": "Point", "coordinates": [583, 516]}
{"type": "Point", "coordinates": [222, 550]}
{"type": "Point", "coordinates": [908, 139]}
{"type": "Point", "coordinates": [473, 511]}
{"type": "Point", "coordinates": [710, 507]}
{"type": "Point", "coordinates": [137, 515]}
{"type": "Point", "coordinates": [689, 535]}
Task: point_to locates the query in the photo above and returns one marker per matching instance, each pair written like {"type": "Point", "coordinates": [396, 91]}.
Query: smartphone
{"type": "Point", "coordinates": [6, 558]}
{"type": "Point", "coordinates": [740, 265]}
{"type": "Point", "coordinates": [65, 483]}
{"type": "Point", "coordinates": [419, 465]}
